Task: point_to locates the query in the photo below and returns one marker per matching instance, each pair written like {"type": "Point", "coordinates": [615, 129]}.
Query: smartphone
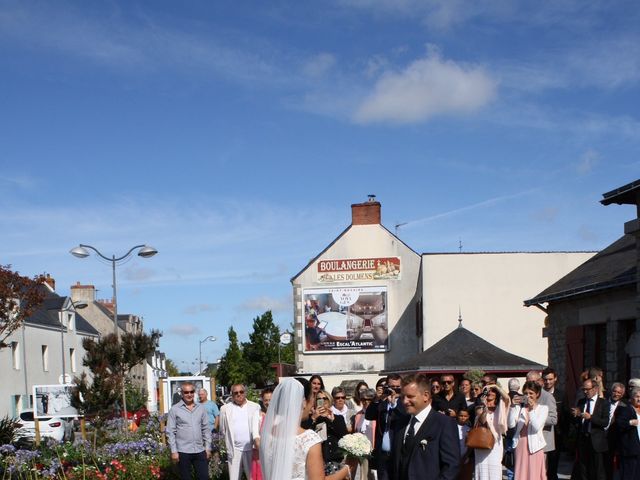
{"type": "Point", "coordinates": [320, 402]}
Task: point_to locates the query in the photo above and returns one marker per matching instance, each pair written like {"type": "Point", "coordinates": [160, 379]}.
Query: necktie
{"type": "Point", "coordinates": [585, 423]}
{"type": "Point", "coordinates": [411, 430]}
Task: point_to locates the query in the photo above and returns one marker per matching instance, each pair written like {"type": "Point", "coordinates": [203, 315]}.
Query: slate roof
{"type": "Point", "coordinates": [463, 350]}
{"type": "Point", "coordinates": [613, 267]}
{"type": "Point", "coordinates": [627, 194]}
{"type": "Point", "coordinates": [47, 315]}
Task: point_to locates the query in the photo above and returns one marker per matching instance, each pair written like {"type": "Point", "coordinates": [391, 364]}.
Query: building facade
{"type": "Point", "coordinates": [49, 342]}
{"type": "Point", "coordinates": [368, 302]}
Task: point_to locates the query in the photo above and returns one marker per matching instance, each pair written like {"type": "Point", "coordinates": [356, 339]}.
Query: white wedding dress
{"type": "Point", "coordinates": [303, 443]}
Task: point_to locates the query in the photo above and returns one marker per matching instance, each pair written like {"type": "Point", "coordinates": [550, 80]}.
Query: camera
{"type": "Point", "coordinates": [391, 390]}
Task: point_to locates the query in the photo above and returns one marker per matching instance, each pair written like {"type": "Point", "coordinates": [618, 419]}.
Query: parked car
{"type": "Point", "coordinates": [53, 427]}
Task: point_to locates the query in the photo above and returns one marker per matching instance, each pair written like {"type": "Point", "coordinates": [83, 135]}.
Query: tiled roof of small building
{"type": "Point", "coordinates": [463, 350]}
{"type": "Point", "coordinates": [613, 267]}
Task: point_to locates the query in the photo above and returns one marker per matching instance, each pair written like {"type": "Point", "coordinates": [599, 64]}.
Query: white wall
{"type": "Point", "coordinates": [13, 381]}
{"type": "Point", "coordinates": [490, 289]}
{"type": "Point", "coordinates": [366, 241]}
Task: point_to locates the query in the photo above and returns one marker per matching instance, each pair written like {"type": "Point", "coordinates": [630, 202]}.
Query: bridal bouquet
{"type": "Point", "coordinates": [356, 445]}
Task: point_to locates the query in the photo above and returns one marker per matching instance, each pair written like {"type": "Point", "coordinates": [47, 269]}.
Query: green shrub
{"type": "Point", "coordinates": [8, 428]}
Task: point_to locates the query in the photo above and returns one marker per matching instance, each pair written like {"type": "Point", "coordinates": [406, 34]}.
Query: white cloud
{"type": "Point", "coordinates": [199, 308]}
{"type": "Point", "coordinates": [588, 161]}
{"type": "Point", "coordinates": [264, 303]}
{"type": "Point", "coordinates": [428, 87]}
{"type": "Point", "coordinates": [138, 274]}
{"type": "Point", "coordinates": [184, 330]}
{"type": "Point", "coordinates": [319, 65]}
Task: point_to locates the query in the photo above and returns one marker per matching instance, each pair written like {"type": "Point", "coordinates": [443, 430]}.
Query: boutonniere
{"type": "Point", "coordinates": [423, 444]}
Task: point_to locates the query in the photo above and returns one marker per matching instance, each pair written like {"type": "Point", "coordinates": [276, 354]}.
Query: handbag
{"type": "Point", "coordinates": [480, 437]}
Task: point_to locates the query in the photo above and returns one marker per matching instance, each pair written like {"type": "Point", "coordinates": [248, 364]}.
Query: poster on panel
{"type": "Point", "coordinates": [174, 389]}
{"type": "Point", "coordinates": [345, 319]}
{"type": "Point", "coordinates": [53, 401]}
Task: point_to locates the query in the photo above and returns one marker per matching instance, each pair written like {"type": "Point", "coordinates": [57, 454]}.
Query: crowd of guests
{"type": "Point", "coordinates": [419, 426]}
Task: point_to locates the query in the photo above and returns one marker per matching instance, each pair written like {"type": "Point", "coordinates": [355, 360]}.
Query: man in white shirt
{"type": "Point", "coordinates": [239, 424]}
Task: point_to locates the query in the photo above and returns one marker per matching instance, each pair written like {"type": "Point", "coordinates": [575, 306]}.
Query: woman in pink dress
{"type": "Point", "coordinates": [528, 417]}
{"type": "Point", "coordinates": [265, 397]}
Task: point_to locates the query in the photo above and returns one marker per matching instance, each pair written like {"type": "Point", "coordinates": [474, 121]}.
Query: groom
{"type": "Point", "coordinates": [426, 444]}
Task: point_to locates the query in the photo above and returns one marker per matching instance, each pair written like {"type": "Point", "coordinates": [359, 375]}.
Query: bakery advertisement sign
{"type": "Point", "coordinates": [358, 269]}
{"type": "Point", "coordinates": [345, 319]}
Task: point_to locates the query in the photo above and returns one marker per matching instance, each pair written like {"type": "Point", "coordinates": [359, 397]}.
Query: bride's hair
{"type": "Point", "coordinates": [307, 387]}
{"type": "Point", "coordinates": [281, 424]}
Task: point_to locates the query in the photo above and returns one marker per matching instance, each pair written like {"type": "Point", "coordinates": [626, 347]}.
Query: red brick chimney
{"type": "Point", "coordinates": [367, 213]}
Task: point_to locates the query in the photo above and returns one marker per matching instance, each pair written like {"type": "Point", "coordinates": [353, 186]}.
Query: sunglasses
{"type": "Point", "coordinates": [339, 398]}
{"type": "Point", "coordinates": [188, 392]}
{"type": "Point", "coordinates": [238, 392]}
{"type": "Point", "coordinates": [448, 382]}
{"type": "Point", "coordinates": [323, 398]}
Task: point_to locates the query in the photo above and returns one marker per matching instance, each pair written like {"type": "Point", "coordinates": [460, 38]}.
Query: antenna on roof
{"type": "Point", "coordinates": [398, 225]}
{"type": "Point", "coordinates": [460, 244]}
{"type": "Point", "coordinates": [459, 317]}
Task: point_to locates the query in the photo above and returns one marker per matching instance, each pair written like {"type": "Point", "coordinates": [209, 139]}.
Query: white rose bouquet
{"type": "Point", "coordinates": [356, 444]}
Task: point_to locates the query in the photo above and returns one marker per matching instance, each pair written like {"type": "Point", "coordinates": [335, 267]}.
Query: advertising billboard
{"type": "Point", "coordinates": [345, 319]}
{"type": "Point", "coordinates": [173, 391]}
{"type": "Point", "coordinates": [358, 269]}
{"type": "Point", "coordinates": [53, 401]}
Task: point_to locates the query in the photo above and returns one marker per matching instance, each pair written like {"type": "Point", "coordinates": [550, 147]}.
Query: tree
{"type": "Point", "coordinates": [172, 369]}
{"type": "Point", "coordinates": [232, 368]}
{"type": "Point", "coordinates": [261, 351]}
{"type": "Point", "coordinates": [288, 352]}
{"type": "Point", "coordinates": [110, 361]}
{"type": "Point", "coordinates": [19, 298]}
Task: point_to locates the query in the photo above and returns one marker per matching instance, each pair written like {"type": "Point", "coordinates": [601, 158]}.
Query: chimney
{"type": "Point", "coordinates": [49, 280]}
{"type": "Point", "coordinates": [367, 213]}
{"type": "Point", "coordinates": [83, 293]}
{"type": "Point", "coordinates": [107, 303]}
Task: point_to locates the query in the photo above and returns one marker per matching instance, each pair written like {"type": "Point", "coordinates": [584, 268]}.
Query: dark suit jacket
{"type": "Point", "coordinates": [628, 441]}
{"type": "Point", "coordinates": [599, 421]}
{"type": "Point", "coordinates": [435, 450]}
{"type": "Point", "coordinates": [378, 412]}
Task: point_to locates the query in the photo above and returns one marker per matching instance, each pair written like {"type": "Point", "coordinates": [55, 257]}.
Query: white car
{"type": "Point", "coordinates": [53, 427]}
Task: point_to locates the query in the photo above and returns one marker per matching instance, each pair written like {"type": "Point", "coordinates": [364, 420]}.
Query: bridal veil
{"type": "Point", "coordinates": [280, 429]}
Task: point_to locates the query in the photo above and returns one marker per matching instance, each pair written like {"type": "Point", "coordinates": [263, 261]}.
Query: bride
{"type": "Point", "coordinates": [286, 450]}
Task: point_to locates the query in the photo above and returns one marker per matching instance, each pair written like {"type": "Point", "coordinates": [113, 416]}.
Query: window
{"type": "Point", "coordinates": [71, 320]}
{"type": "Point", "coordinates": [45, 358]}
{"type": "Point", "coordinates": [16, 405]}
{"type": "Point", "coordinates": [72, 359]}
{"type": "Point", "coordinates": [15, 355]}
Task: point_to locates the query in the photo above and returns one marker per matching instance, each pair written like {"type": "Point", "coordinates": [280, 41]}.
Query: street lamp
{"type": "Point", "coordinates": [144, 251]}
{"type": "Point", "coordinates": [210, 338]}
{"type": "Point", "coordinates": [74, 306]}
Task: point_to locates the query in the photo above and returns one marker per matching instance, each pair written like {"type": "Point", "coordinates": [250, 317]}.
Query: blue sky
{"type": "Point", "coordinates": [233, 137]}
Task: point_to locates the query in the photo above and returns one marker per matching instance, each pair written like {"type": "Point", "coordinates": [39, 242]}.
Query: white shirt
{"type": "Point", "coordinates": [240, 426]}
{"type": "Point", "coordinates": [612, 410]}
{"type": "Point", "coordinates": [420, 417]}
{"type": "Point", "coordinates": [591, 403]}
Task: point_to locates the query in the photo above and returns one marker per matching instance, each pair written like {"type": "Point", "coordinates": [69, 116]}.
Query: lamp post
{"type": "Point", "coordinates": [74, 306]}
{"type": "Point", "coordinates": [210, 338]}
{"type": "Point", "coordinates": [144, 251]}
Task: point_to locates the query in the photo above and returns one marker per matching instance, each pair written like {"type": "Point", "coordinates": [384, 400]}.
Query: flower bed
{"type": "Point", "coordinates": [117, 456]}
